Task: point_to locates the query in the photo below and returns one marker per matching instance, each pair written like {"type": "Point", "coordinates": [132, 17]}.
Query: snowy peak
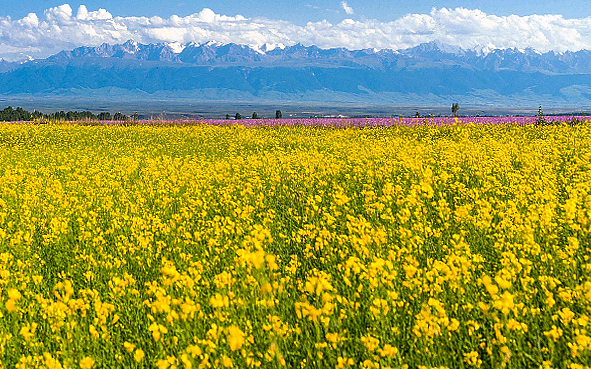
{"type": "Point", "coordinates": [213, 53]}
{"type": "Point", "coordinates": [432, 72]}
{"type": "Point", "coordinates": [426, 55]}
{"type": "Point", "coordinates": [127, 50]}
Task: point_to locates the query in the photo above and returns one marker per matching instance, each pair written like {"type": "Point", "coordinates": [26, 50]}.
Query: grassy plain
{"type": "Point", "coordinates": [199, 246]}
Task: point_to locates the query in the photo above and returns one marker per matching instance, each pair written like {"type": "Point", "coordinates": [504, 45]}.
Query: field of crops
{"type": "Point", "coordinates": [209, 246]}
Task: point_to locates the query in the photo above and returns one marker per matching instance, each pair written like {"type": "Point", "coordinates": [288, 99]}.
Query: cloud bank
{"type": "Point", "coordinates": [40, 35]}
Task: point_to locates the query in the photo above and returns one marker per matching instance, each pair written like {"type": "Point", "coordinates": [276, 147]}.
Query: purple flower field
{"type": "Point", "coordinates": [386, 122]}
{"type": "Point", "coordinates": [345, 122]}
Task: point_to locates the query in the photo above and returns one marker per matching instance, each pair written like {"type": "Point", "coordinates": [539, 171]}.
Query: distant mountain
{"type": "Point", "coordinates": [429, 73]}
{"type": "Point", "coordinates": [6, 66]}
{"type": "Point", "coordinates": [428, 54]}
{"type": "Point", "coordinates": [128, 50]}
{"type": "Point", "coordinates": [213, 53]}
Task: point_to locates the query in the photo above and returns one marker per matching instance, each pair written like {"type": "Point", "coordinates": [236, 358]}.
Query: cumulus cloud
{"type": "Point", "coordinates": [85, 15]}
{"type": "Point", "coordinates": [61, 28]}
{"type": "Point", "coordinates": [347, 8]}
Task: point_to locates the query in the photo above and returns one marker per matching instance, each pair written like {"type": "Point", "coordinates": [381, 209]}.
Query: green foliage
{"type": "Point", "coordinates": [20, 115]}
{"type": "Point", "coordinates": [104, 116]}
{"type": "Point", "coordinates": [455, 107]}
{"type": "Point", "coordinates": [119, 116]}
{"type": "Point", "coordinates": [541, 120]}
{"type": "Point", "coordinates": [14, 115]}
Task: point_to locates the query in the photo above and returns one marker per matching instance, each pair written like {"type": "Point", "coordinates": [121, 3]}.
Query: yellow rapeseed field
{"type": "Point", "coordinates": [231, 247]}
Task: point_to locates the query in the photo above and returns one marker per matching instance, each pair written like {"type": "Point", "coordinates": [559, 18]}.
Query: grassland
{"type": "Point", "coordinates": [388, 247]}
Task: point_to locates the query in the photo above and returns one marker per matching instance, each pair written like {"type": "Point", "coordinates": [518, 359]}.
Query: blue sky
{"type": "Point", "coordinates": [39, 28]}
{"type": "Point", "coordinates": [302, 11]}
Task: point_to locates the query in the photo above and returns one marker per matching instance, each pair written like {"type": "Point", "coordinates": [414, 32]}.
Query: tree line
{"type": "Point", "coordinates": [21, 115]}
{"type": "Point", "coordinates": [255, 115]}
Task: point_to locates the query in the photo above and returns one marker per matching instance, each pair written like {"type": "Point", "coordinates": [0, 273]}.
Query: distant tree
{"type": "Point", "coordinates": [37, 115]}
{"type": "Point", "coordinates": [238, 116]}
{"type": "Point", "coordinates": [104, 116]}
{"type": "Point", "coordinates": [455, 107]}
{"type": "Point", "coordinates": [11, 115]}
{"type": "Point", "coordinates": [20, 114]}
{"type": "Point", "coordinates": [417, 115]}
{"type": "Point", "coordinates": [119, 116]}
{"type": "Point", "coordinates": [255, 115]}
{"type": "Point", "coordinates": [541, 120]}
{"type": "Point", "coordinates": [136, 116]}
{"type": "Point", "coordinates": [278, 114]}
{"type": "Point", "coordinates": [227, 116]}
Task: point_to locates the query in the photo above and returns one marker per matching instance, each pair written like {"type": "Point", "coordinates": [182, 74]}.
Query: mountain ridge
{"type": "Point", "coordinates": [427, 73]}
{"type": "Point", "coordinates": [220, 54]}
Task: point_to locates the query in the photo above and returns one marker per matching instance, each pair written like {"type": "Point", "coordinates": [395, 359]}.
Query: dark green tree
{"type": "Point", "coordinates": [455, 107]}
{"type": "Point", "coordinates": [255, 115]}
{"type": "Point", "coordinates": [104, 116]}
{"type": "Point", "coordinates": [238, 116]}
{"type": "Point", "coordinates": [278, 114]}
{"type": "Point", "coordinates": [119, 116]}
{"type": "Point", "coordinates": [541, 120]}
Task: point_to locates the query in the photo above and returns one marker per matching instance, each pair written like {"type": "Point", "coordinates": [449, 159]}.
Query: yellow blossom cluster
{"type": "Point", "coordinates": [300, 247]}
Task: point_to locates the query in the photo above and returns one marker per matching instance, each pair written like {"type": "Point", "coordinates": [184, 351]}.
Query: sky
{"type": "Point", "coordinates": [39, 28]}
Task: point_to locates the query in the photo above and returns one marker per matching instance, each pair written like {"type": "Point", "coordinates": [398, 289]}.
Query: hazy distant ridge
{"type": "Point", "coordinates": [420, 56]}
{"type": "Point", "coordinates": [428, 73]}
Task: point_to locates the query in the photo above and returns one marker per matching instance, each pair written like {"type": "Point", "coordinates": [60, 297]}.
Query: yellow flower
{"type": "Point", "coordinates": [489, 285]}
{"type": "Point", "coordinates": [371, 343]}
{"type": "Point", "coordinates": [471, 358]}
{"type": "Point", "coordinates": [162, 364]}
{"type": "Point", "coordinates": [235, 337]}
{"type": "Point", "coordinates": [14, 294]}
{"type": "Point", "coordinates": [566, 315]}
{"type": "Point", "coordinates": [219, 301]}
{"type": "Point", "coordinates": [86, 363]}
{"type": "Point", "coordinates": [454, 324]}
{"type": "Point", "coordinates": [504, 303]}
{"type": "Point", "coordinates": [93, 332]}
{"type": "Point", "coordinates": [227, 362]}
{"type": "Point", "coordinates": [388, 350]}
{"type": "Point", "coordinates": [37, 279]}
{"type": "Point", "coordinates": [128, 346]}
{"type": "Point", "coordinates": [157, 330]}
{"type": "Point", "coordinates": [502, 282]}
{"type": "Point", "coordinates": [185, 359]}
{"type": "Point", "coordinates": [139, 355]}
{"type": "Point", "coordinates": [10, 305]}
{"type": "Point", "coordinates": [28, 331]}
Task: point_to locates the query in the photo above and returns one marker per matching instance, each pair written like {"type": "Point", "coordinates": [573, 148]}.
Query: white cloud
{"type": "Point", "coordinates": [347, 8]}
{"type": "Point", "coordinates": [29, 21]}
{"type": "Point", "coordinates": [85, 15]}
{"type": "Point", "coordinates": [60, 28]}
{"type": "Point", "coordinates": [61, 13]}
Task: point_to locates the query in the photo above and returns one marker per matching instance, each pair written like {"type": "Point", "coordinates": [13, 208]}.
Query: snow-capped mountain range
{"type": "Point", "coordinates": [428, 73]}
{"type": "Point", "coordinates": [219, 54]}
